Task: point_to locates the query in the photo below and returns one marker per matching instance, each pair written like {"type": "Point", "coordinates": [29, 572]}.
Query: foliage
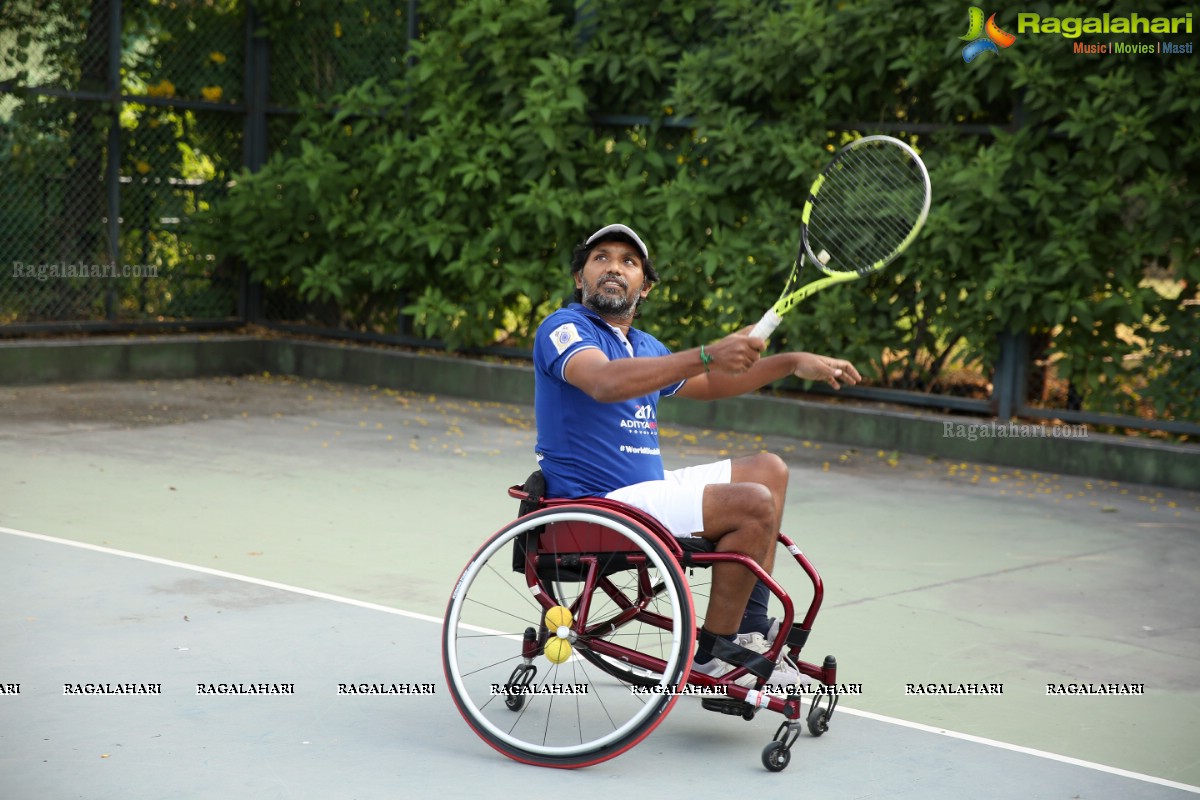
{"type": "Point", "coordinates": [454, 189]}
{"type": "Point", "coordinates": [322, 47]}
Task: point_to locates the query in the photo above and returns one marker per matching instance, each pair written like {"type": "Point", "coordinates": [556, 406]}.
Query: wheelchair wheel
{"type": "Point", "coordinates": [630, 611]}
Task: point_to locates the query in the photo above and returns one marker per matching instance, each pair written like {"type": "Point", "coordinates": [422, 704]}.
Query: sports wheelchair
{"type": "Point", "coordinates": [570, 635]}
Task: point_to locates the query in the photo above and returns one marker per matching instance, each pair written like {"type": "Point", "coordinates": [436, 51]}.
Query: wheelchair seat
{"type": "Point", "coordinates": [531, 493]}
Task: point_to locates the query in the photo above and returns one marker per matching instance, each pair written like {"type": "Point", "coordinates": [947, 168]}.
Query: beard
{"type": "Point", "coordinates": [606, 304]}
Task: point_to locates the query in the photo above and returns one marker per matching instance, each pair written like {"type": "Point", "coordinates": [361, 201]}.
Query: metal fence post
{"type": "Point", "coordinates": [254, 141]}
{"type": "Point", "coordinates": [1002, 400]}
{"type": "Point", "coordinates": [112, 165]}
{"type": "Point", "coordinates": [1020, 374]}
{"type": "Point", "coordinates": [412, 33]}
{"type": "Point", "coordinates": [1011, 377]}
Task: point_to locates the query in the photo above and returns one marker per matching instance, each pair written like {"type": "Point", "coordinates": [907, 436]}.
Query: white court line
{"type": "Point", "coordinates": [1016, 748]}
{"type": "Point", "coordinates": [1124, 773]}
{"type": "Point", "coordinates": [222, 574]}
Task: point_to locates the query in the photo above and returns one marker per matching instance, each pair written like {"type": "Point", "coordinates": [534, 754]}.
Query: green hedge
{"type": "Point", "coordinates": [458, 191]}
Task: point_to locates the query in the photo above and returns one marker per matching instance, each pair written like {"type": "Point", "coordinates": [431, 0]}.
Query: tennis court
{"type": "Point", "coordinates": [233, 558]}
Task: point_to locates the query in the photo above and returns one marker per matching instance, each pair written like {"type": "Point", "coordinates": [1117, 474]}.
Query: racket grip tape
{"type": "Point", "coordinates": [767, 325]}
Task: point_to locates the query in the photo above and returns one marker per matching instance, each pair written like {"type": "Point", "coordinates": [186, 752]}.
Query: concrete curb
{"type": "Point", "coordinates": [1029, 446]}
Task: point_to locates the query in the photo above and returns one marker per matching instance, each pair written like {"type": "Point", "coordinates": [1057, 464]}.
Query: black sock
{"type": "Point", "coordinates": [755, 619]}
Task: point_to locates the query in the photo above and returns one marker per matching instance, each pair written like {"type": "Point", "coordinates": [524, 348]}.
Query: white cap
{"type": "Point", "coordinates": [622, 229]}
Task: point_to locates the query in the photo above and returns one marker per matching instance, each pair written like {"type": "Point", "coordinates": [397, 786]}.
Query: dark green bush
{"type": "Point", "coordinates": [1064, 207]}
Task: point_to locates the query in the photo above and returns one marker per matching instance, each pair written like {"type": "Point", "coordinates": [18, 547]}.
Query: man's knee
{"type": "Point", "coordinates": [766, 468]}
{"type": "Point", "coordinates": [775, 468]}
{"type": "Point", "coordinates": [757, 512]}
{"type": "Point", "coordinates": [745, 510]}
{"type": "Point", "coordinates": [761, 504]}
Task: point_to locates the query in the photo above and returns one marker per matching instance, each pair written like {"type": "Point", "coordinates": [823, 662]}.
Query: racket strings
{"type": "Point", "coordinates": [886, 206]}
{"type": "Point", "coordinates": [855, 244]}
{"type": "Point", "coordinates": [861, 225]}
{"type": "Point", "coordinates": [898, 170]}
{"type": "Point", "coordinates": [868, 205]}
{"type": "Point", "coordinates": [869, 182]}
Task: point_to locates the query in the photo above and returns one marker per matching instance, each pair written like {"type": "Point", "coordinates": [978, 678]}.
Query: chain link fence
{"type": "Point", "coordinates": [118, 121]}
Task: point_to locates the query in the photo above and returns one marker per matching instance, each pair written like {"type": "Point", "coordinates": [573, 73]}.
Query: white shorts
{"type": "Point", "coordinates": [677, 501]}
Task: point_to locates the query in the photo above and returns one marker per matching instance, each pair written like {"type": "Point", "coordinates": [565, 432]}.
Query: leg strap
{"type": "Point", "coordinates": [734, 654]}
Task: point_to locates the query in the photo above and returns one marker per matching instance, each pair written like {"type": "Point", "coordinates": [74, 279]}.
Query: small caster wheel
{"type": "Point", "coordinates": [818, 721]}
{"type": "Point", "coordinates": [776, 755]}
{"type": "Point", "coordinates": [515, 697]}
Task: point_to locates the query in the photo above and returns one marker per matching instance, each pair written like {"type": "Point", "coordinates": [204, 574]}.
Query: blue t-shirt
{"type": "Point", "coordinates": [586, 447]}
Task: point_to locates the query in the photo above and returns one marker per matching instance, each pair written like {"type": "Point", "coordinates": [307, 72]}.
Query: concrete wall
{"type": "Point", "coordinates": [869, 427]}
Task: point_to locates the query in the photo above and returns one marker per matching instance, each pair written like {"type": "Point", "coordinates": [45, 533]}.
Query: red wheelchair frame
{"type": "Point", "coordinates": [580, 549]}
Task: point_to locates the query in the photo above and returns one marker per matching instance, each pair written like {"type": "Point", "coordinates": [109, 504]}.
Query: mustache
{"type": "Point", "coordinates": [612, 276]}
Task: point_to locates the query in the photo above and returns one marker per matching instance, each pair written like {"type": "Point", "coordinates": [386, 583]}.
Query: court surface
{"type": "Point", "coordinates": [272, 532]}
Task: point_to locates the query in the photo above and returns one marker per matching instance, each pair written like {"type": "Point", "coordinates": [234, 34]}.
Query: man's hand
{"type": "Point", "coordinates": [813, 367]}
{"type": "Point", "coordinates": [734, 354]}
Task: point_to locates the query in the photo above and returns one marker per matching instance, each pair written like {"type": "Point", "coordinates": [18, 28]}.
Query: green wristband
{"type": "Point", "coordinates": [705, 358]}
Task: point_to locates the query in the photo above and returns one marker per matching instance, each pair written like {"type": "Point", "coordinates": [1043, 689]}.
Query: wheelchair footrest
{"type": "Point", "coordinates": [734, 708]}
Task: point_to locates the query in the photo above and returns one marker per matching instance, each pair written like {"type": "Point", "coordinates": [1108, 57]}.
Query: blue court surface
{"type": "Point", "coordinates": [196, 573]}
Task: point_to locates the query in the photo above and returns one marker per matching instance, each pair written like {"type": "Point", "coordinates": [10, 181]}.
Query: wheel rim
{"type": "Point", "coordinates": [596, 716]}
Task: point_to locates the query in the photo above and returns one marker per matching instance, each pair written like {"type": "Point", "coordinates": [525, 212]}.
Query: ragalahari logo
{"type": "Point", "coordinates": [984, 38]}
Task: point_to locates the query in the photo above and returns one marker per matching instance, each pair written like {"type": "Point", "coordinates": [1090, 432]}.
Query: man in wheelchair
{"type": "Point", "coordinates": [597, 386]}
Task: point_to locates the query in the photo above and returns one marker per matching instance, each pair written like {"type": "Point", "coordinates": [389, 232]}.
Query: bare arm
{"type": "Point", "coordinates": [714, 385]}
{"type": "Point", "coordinates": [735, 368]}
{"type": "Point", "coordinates": [612, 381]}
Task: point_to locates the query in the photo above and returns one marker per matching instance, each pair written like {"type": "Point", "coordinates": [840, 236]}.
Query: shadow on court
{"type": "Point", "coordinates": [201, 503]}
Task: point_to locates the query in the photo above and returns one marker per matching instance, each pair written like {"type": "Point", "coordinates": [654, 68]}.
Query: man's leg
{"type": "Point", "coordinates": [771, 472]}
{"type": "Point", "coordinates": [739, 511]}
{"type": "Point", "coordinates": [754, 618]}
{"type": "Point", "coordinates": [742, 516]}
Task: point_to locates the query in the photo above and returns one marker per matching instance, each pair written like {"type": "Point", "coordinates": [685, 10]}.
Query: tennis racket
{"type": "Point", "coordinates": [862, 211]}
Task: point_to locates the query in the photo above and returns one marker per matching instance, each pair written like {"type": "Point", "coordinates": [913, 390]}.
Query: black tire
{"type": "Point", "coordinates": [521, 676]}
{"type": "Point", "coordinates": [598, 718]}
{"type": "Point", "coordinates": [776, 756]}
{"type": "Point", "coordinates": [818, 720]}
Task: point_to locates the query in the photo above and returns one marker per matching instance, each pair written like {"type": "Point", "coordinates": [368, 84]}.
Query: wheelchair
{"type": "Point", "coordinates": [570, 633]}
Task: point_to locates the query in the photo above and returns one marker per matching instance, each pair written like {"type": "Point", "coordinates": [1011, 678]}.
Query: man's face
{"type": "Point", "coordinates": [612, 280]}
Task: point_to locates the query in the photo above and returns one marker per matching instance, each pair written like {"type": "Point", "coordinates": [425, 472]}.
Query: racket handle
{"type": "Point", "coordinates": [767, 325]}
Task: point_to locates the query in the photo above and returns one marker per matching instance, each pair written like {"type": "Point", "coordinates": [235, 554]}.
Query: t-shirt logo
{"type": "Point", "coordinates": [564, 336]}
{"type": "Point", "coordinates": [644, 421]}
